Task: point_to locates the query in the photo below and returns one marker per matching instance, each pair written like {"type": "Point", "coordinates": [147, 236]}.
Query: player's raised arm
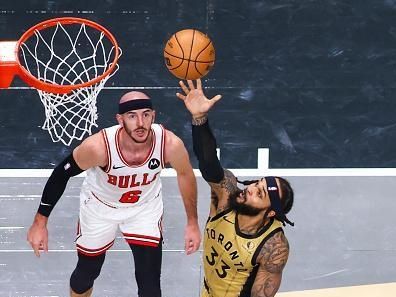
{"type": "Point", "coordinates": [204, 142]}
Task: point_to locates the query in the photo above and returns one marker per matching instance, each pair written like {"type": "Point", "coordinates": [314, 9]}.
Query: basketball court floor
{"type": "Point", "coordinates": [343, 242]}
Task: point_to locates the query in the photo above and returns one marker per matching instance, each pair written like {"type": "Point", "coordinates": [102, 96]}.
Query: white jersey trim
{"type": "Point", "coordinates": [94, 252]}
{"type": "Point", "coordinates": [108, 154]}
{"type": "Point", "coordinates": [163, 146]}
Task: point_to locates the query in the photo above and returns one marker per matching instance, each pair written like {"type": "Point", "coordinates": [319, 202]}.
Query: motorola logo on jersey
{"type": "Point", "coordinates": [154, 163]}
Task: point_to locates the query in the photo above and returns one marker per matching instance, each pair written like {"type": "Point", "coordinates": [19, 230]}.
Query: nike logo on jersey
{"type": "Point", "coordinates": [45, 204]}
{"type": "Point", "coordinates": [118, 167]}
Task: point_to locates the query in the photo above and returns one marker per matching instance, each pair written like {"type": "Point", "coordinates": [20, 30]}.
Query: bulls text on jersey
{"type": "Point", "coordinates": [131, 181]}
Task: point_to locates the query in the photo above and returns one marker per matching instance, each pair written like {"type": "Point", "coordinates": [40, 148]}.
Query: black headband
{"type": "Point", "coordinates": [276, 205]}
{"type": "Point", "coordinates": [134, 105]}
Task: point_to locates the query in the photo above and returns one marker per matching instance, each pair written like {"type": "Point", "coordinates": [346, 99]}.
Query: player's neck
{"type": "Point", "coordinates": [251, 224]}
{"type": "Point", "coordinates": [128, 144]}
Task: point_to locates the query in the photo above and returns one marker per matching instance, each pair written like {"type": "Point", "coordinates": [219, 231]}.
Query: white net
{"type": "Point", "coordinates": [69, 55]}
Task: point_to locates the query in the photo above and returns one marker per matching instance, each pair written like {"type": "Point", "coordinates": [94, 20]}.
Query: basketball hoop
{"type": "Point", "coordinates": [68, 60]}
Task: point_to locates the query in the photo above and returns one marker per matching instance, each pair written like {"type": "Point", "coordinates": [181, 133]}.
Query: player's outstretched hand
{"type": "Point", "coordinates": [194, 98]}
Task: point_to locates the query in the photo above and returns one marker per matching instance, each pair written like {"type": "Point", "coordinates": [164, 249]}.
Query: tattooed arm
{"type": "Point", "coordinates": [272, 259]}
{"type": "Point", "coordinates": [221, 192]}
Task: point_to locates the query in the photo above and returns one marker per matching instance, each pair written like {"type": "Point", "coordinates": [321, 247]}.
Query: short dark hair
{"type": "Point", "coordinates": [287, 197]}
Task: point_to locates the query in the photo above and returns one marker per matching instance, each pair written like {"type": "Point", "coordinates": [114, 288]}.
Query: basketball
{"type": "Point", "coordinates": [189, 54]}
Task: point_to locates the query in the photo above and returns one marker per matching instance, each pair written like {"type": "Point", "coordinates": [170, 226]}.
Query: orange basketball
{"type": "Point", "coordinates": [189, 54]}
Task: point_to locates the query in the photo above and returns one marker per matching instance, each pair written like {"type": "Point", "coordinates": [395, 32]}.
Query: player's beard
{"type": "Point", "coordinates": [241, 207]}
{"type": "Point", "coordinates": [130, 134]}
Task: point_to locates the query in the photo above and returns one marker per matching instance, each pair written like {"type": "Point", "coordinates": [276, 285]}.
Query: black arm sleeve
{"type": "Point", "coordinates": [56, 184]}
{"type": "Point", "coordinates": [204, 145]}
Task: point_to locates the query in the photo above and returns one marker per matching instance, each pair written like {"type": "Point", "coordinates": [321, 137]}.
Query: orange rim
{"type": "Point", "coordinates": [62, 89]}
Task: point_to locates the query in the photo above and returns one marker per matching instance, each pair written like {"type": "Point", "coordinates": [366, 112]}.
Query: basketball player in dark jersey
{"type": "Point", "coordinates": [245, 249]}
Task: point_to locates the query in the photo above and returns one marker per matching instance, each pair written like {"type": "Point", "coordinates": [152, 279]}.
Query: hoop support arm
{"type": "Point", "coordinates": [9, 66]}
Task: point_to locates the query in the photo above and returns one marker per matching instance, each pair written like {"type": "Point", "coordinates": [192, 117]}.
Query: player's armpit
{"type": "Point", "coordinates": [224, 189]}
{"type": "Point", "coordinates": [176, 154]}
{"type": "Point", "coordinates": [272, 259]}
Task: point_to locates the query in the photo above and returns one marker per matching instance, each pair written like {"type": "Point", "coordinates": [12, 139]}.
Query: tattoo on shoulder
{"type": "Point", "coordinates": [274, 254]}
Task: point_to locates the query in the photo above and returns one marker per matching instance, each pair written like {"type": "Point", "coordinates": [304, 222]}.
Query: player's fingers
{"type": "Point", "coordinates": [191, 85]}
{"type": "Point", "coordinates": [180, 96]}
{"type": "Point", "coordinates": [36, 249]}
{"type": "Point", "coordinates": [184, 88]}
{"type": "Point", "coordinates": [199, 84]}
{"type": "Point", "coordinates": [195, 246]}
{"type": "Point", "coordinates": [216, 98]}
{"type": "Point", "coordinates": [191, 249]}
{"type": "Point", "coordinates": [45, 246]}
{"type": "Point", "coordinates": [190, 244]}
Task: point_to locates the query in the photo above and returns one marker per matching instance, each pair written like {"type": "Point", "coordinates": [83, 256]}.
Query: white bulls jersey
{"type": "Point", "coordinates": [123, 185]}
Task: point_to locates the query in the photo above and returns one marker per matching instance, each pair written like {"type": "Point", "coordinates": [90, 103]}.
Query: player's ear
{"type": "Point", "coordinates": [119, 120]}
{"type": "Point", "coordinates": [271, 214]}
{"type": "Point", "coordinates": [152, 121]}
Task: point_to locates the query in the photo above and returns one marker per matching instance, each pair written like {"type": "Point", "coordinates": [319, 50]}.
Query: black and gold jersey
{"type": "Point", "coordinates": [229, 256]}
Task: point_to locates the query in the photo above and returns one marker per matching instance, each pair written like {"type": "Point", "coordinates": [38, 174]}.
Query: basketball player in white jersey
{"type": "Point", "coordinates": [122, 189]}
